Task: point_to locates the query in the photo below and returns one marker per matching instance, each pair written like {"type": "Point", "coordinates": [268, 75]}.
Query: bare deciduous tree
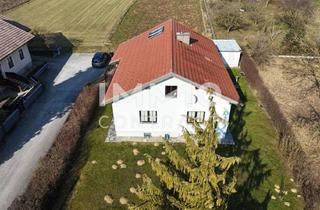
{"type": "Point", "coordinates": [260, 49]}
{"type": "Point", "coordinates": [293, 18]}
{"type": "Point", "coordinates": [310, 118]}
{"type": "Point", "coordinates": [305, 6]}
{"type": "Point", "coordinates": [267, 2]}
{"type": "Point", "coordinates": [307, 75]}
{"type": "Point", "coordinates": [272, 31]}
{"type": "Point", "coordinates": [293, 42]}
{"type": "Point", "coordinates": [256, 17]}
{"type": "Point", "coordinates": [230, 19]}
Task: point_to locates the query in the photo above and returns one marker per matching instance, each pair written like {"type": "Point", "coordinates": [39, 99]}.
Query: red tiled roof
{"type": "Point", "coordinates": [143, 60]}
{"type": "Point", "coordinates": [11, 38]}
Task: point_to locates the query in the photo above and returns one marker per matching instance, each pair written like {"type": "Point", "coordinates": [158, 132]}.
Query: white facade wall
{"type": "Point", "coordinates": [171, 112]}
{"type": "Point", "coordinates": [19, 65]}
{"type": "Point", "coordinates": [231, 59]}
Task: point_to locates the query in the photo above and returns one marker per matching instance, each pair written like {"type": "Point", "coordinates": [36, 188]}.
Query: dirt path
{"type": "Point", "coordinates": [207, 23]}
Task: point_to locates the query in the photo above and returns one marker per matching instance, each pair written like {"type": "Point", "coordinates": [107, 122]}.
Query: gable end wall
{"type": "Point", "coordinates": [171, 112]}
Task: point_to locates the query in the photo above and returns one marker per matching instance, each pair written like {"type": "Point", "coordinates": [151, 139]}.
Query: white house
{"type": "Point", "coordinates": [14, 53]}
{"type": "Point", "coordinates": [161, 80]}
{"type": "Point", "coordinates": [229, 50]}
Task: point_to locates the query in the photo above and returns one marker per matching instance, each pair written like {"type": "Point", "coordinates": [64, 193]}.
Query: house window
{"type": "Point", "coordinates": [10, 62]}
{"type": "Point", "coordinates": [197, 116]}
{"type": "Point", "coordinates": [171, 91]}
{"type": "Point", "coordinates": [3, 74]}
{"type": "Point", "coordinates": [148, 116]}
{"type": "Point", "coordinates": [21, 54]}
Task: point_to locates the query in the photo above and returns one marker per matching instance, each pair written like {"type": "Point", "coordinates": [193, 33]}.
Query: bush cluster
{"type": "Point", "coordinates": [288, 144]}
{"type": "Point", "coordinates": [52, 167]}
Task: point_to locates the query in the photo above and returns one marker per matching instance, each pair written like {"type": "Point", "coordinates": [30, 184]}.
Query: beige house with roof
{"type": "Point", "coordinates": [14, 52]}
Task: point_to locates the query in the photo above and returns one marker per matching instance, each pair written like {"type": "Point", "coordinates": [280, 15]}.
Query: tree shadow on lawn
{"type": "Point", "coordinates": [251, 172]}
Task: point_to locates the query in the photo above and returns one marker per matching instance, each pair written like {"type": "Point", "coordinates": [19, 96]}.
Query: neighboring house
{"type": "Point", "coordinates": [230, 51]}
{"type": "Point", "coordinates": [159, 85]}
{"type": "Point", "coordinates": [14, 53]}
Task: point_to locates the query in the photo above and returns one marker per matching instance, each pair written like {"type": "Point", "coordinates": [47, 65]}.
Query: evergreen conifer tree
{"type": "Point", "coordinates": [203, 180]}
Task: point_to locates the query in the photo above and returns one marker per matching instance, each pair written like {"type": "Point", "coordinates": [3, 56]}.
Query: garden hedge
{"type": "Point", "coordinates": [53, 166]}
{"type": "Point", "coordinates": [288, 143]}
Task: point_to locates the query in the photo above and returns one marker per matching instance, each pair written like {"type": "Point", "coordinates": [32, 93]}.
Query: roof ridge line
{"type": "Point", "coordinates": [173, 57]}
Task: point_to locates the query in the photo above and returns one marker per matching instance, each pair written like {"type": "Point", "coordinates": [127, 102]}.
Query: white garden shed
{"type": "Point", "coordinates": [229, 50]}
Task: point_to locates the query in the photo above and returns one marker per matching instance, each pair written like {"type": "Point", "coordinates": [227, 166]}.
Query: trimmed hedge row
{"type": "Point", "coordinates": [288, 144]}
{"type": "Point", "coordinates": [53, 166]}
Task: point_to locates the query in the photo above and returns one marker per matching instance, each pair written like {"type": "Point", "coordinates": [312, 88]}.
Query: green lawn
{"type": "Point", "coordinates": [87, 24]}
{"type": "Point", "coordinates": [262, 166]}
{"type": "Point", "coordinates": [97, 180]}
{"type": "Point", "coordinates": [145, 14]}
{"type": "Point", "coordinates": [256, 142]}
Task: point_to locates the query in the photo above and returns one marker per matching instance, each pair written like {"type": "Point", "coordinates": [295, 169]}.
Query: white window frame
{"type": "Point", "coordinates": [147, 116]}
{"type": "Point", "coordinates": [195, 115]}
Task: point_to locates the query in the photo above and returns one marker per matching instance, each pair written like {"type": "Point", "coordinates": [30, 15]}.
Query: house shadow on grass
{"type": "Point", "coordinates": [251, 172]}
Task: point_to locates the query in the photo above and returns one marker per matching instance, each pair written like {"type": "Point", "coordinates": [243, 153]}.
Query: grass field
{"type": "Point", "coordinates": [145, 14]}
{"type": "Point", "coordinates": [87, 24]}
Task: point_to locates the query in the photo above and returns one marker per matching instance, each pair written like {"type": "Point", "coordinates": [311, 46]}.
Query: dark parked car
{"type": "Point", "coordinates": [101, 59]}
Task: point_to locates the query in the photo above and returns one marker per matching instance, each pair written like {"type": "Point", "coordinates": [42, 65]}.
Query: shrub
{"type": "Point", "coordinates": [305, 6]}
{"type": "Point", "coordinates": [249, 6]}
{"type": "Point", "coordinates": [230, 20]}
{"type": "Point", "coordinates": [260, 49]}
{"type": "Point", "coordinates": [293, 19]}
{"type": "Point", "coordinates": [293, 41]}
{"type": "Point", "coordinates": [288, 144]}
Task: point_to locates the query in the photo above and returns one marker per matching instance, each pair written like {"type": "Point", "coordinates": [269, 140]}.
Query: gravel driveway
{"type": "Point", "coordinates": [35, 132]}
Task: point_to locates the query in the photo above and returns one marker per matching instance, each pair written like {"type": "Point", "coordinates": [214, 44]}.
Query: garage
{"type": "Point", "coordinates": [230, 51]}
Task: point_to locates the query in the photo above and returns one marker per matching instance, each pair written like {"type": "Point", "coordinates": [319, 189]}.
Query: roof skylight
{"type": "Point", "coordinates": [156, 32]}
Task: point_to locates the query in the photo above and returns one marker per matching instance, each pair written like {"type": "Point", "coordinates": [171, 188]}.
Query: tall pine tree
{"type": "Point", "coordinates": [203, 180]}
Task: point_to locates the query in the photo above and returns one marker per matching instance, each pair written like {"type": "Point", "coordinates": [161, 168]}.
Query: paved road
{"type": "Point", "coordinates": [35, 132]}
